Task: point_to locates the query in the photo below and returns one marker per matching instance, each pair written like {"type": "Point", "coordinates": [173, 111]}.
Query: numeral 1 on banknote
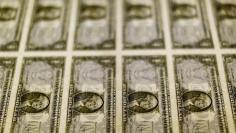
{"type": "Point", "coordinates": [38, 101]}
{"type": "Point", "coordinates": [230, 69]}
{"type": "Point", "coordinates": [7, 66]}
{"type": "Point", "coordinates": [146, 101]}
{"type": "Point", "coordinates": [92, 96]}
{"type": "Point", "coordinates": [95, 25]}
{"type": "Point", "coordinates": [199, 97]}
{"type": "Point", "coordinates": [189, 24]}
{"type": "Point", "coordinates": [49, 25]}
{"type": "Point", "coordinates": [226, 22]}
{"type": "Point", "coordinates": [142, 24]}
{"type": "Point", "coordinates": [12, 14]}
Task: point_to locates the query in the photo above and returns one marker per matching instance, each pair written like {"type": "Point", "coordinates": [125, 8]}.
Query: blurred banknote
{"type": "Point", "coordinates": [189, 24]}
{"type": "Point", "coordinates": [49, 25]}
{"type": "Point", "coordinates": [95, 27]}
{"type": "Point", "coordinates": [12, 13]}
{"type": "Point", "coordinates": [142, 24]}
{"type": "Point", "coordinates": [225, 12]}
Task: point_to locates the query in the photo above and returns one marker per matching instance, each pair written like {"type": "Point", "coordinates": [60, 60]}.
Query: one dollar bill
{"type": "Point", "coordinates": [146, 101]}
{"type": "Point", "coordinates": [189, 24]}
{"type": "Point", "coordinates": [142, 24]}
{"type": "Point", "coordinates": [230, 69]}
{"type": "Point", "coordinates": [12, 14]}
{"type": "Point", "coordinates": [95, 27]}
{"type": "Point", "coordinates": [92, 96]}
{"type": "Point", "coordinates": [38, 100]}
{"type": "Point", "coordinates": [7, 66]}
{"type": "Point", "coordinates": [49, 25]}
{"type": "Point", "coordinates": [199, 96]}
{"type": "Point", "coordinates": [226, 22]}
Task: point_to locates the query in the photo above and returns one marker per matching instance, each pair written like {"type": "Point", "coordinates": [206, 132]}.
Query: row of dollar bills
{"type": "Point", "coordinates": [96, 24]}
{"type": "Point", "coordinates": [92, 94]}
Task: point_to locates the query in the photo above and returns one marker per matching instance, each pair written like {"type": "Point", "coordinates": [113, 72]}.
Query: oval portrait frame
{"type": "Point", "coordinates": [199, 92]}
{"type": "Point", "coordinates": [83, 94]}
{"type": "Point", "coordinates": [34, 93]}
{"type": "Point", "coordinates": [146, 94]}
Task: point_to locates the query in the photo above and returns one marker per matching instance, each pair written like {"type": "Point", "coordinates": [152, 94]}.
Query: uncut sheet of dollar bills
{"type": "Point", "coordinates": [117, 66]}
